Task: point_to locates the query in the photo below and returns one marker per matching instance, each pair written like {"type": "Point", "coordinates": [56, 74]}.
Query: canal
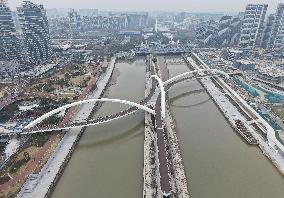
{"type": "Point", "coordinates": [218, 163]}
{"type": "Point", "coordinates": [108, 161]}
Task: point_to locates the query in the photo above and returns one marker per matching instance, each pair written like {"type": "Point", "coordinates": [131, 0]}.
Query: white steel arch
{"type": "Point", "coordinates": [145, 108]}
{"type": "Point", "coordinates": [163, 95]}
{"type": "Point", "coordinates": [214, 71]}
{"type": "Point", "coordinates": [55, 111]}
{"type": "Point", "coordinates": [38, 130]}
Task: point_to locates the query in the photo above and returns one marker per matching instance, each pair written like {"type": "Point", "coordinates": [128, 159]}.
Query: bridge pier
{"type": "Point", "coordinates": [151, 181]}
{"type": "Point", "coordinates": [169, 172]}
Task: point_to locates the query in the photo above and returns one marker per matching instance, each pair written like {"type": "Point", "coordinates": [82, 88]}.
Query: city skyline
{"type": "Point", "coordinates": [159, 5]}
{"type": "Point", "coordinates": [131, 98]}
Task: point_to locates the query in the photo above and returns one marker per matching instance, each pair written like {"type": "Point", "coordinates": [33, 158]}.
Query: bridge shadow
{"type": "Point", "coordinates": [173, 99]}
{"type": "Point", "coordinates": [127, 135]}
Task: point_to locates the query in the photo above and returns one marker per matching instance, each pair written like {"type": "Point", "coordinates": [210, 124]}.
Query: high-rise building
{"type": "Point", "coordinates": [74, 22]}
{"type": "Point", "coordinates": [137, 20]}
{"type": "Point", "coordinates": [36, 32]}
{"type": "Point", "coordinates": [9, 43]}
{"type": "Point", "coordinates": [222, 33]}
{"type": "Point", "coordinates": [277, 32]}
{"type": "Point", "coordinates": [253, 25]}
{"type": "Point", "coordinates": [267, 31]}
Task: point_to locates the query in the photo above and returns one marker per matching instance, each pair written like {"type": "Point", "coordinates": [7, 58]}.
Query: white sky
{"type": "Point", "coordinates": [155, 5]}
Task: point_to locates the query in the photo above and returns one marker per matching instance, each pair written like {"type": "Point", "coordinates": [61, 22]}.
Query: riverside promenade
{"type": "Point", "coordinates": [269, 145]}
{"type": "Point", "coordinates": [42, 184]}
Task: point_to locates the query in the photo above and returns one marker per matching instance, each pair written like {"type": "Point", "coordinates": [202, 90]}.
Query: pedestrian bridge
{"type": "Point", "coordinates": [63, 108]}
{"type": "Point", "coordinates": [144, 105]}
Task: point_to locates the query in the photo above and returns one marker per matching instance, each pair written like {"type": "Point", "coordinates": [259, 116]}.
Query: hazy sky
{"type": "Point", "coordinates": [155, 5]}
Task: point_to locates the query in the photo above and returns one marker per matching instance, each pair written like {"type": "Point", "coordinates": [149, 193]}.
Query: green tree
{"type": "Point", "coordinates": [44, 102]}
{"type": "Point", "coordinates": [26, 156]}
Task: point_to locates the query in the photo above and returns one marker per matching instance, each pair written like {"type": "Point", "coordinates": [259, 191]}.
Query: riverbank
{"type": "Point", "coordinates": [42, 184]}
{"type": "Point", "coordinates": [174, 157]}
{"type": "Point", "coordinates": [257, 126]}
{"type": "Point", "coordinates": [180, 183]}
{"type": "Point", "coordinates": [150, 168]}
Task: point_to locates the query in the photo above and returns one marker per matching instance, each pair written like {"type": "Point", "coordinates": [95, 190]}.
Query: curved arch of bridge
{"type": "Point", "coordinates": [163, 95]}
{"type": "Point", "coordinates": [60, 109]}
{"type": "Point", "coordinates": [164, 86]}
{"type": "Point", "coordinates": [213, 72]}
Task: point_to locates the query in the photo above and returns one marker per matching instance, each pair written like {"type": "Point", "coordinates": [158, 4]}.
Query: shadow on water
{"type": "Point", "coordinates": [172, 100]}
{"type": "Point", "coordinates": [129, 134]}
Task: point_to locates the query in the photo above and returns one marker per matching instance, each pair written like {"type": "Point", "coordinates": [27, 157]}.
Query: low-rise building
{"type": "Point", "coordinates": [244, 65]}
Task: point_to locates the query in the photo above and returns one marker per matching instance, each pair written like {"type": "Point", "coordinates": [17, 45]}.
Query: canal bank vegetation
{"type": "Point", "coordinates": [278, 110]}
{"type": "Point", "coordinates": [7, 112]}
{"type": "Point", "coordinates": [66, 142]}
{"type": "Point", "coordinates": [36, 151]}
{"type": "Point", "coordinates": [38, 139]}
{"type": "Point", "coordinates": [18, 164]}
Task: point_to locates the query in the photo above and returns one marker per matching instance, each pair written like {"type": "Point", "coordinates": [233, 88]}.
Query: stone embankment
{"type": "Point", "coordinates": [150, 171]}
{"type": "Point", "coordinates": [178, 181]}
{"type": "Point", "coordinates": [180, 186]}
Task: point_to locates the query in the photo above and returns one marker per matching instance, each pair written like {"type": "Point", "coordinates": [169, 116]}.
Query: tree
{"type": "Point", "coordinates": [27, 156]}
{"type": "Point", "coordinates": [44, 102]}
{"type": "Point", "coordinates": [154, 60]}
{"type": "Point", "coordinates": [64, 101]}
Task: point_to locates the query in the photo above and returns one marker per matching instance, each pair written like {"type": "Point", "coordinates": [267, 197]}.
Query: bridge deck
{"type": "Point", "coordinates": [99, 120]}
{"type": "Point", "coordinates": [162, 153]}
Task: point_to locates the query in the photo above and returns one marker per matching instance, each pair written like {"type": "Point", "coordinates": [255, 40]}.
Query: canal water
{"type": "Point", "coordinates": [218, 163]}
{"type": "Point", "coordinates": [108, 161]}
